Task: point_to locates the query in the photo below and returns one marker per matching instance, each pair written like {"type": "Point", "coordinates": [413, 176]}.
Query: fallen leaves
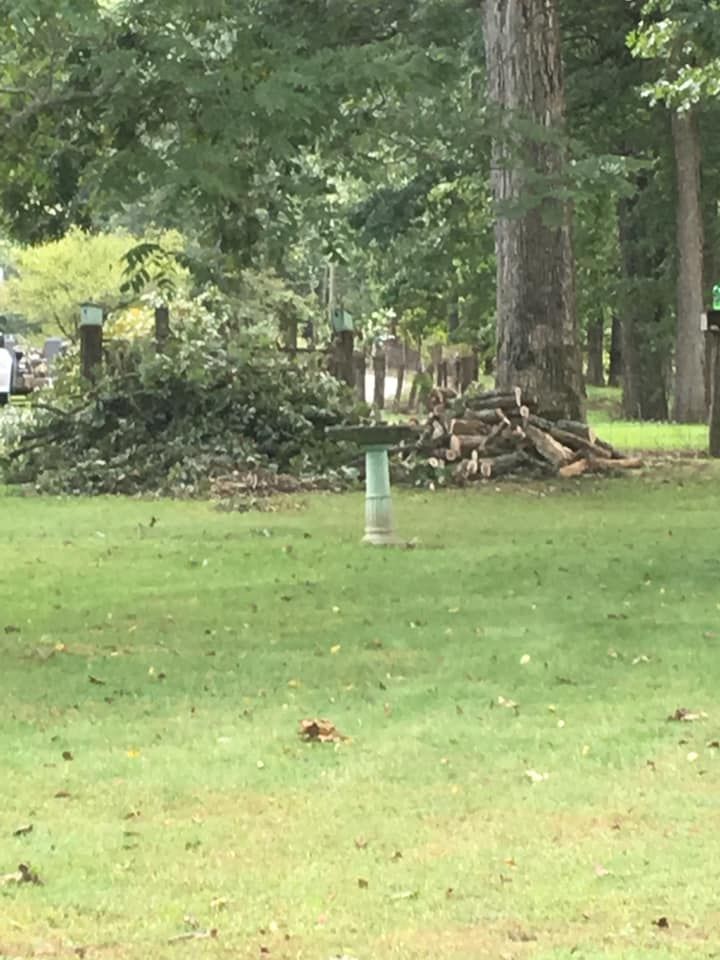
{"type": "Point", "coordinates": [23, 831]}
{"type": "Point", "coordinates": [683, 715]}
{"type": "Point", "coordinates": [535, 777]}
{"type": "Point", "coordinates": [23, 874]}
{"type": "Point", "coordinates": [601, 871]}
{"type": "Point", "coordinates": [405, 895]}
{"type": "Point", "coordinates": [320, 731]}
{"type": "Point", "coordinates": [194, 935]}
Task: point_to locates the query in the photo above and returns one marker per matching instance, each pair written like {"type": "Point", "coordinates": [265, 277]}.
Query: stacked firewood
{"type": "Point", "coordinates": [483, 435]}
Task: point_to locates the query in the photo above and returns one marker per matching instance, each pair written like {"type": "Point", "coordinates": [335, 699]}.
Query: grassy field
{"type": "Point", "coordinates": [511, 786]}
{"type": "Point", "coordinates": [604, 413]}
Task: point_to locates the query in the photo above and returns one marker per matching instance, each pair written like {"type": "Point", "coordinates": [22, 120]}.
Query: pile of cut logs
{"type": "Point", "coordinates": [490, 434]}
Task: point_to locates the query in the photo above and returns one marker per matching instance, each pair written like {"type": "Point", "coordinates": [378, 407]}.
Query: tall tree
{"type": "Point", "coordinates": [538, 342]}
{"type": "Point", "coordinates": [682, 37]}
{"type": "Point", "coordinates": [689, 405]}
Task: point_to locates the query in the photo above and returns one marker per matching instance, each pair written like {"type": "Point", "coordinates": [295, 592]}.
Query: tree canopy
{"type": "Point", "coordinates": [286, 134]}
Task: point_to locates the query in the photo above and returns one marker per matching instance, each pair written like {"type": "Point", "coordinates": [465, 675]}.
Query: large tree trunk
{"type": "Point", "coordinates": [644, 348]}
{"type": "Point", "coordinates": [538, 342]}
{"type": "Point", "coordinates": [595, 351]}
{"type": "Point", "coordinates": [615, 371]}
{"type": "Point", "coordinates": [689, 406]}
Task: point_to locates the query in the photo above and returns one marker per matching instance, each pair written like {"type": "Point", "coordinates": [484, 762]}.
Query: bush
{"type": "Point", "coordinates": [168, 424]}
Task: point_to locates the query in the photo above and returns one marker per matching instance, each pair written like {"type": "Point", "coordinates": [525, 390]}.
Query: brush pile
{"type": "Point", "coordinates": [490, 434]}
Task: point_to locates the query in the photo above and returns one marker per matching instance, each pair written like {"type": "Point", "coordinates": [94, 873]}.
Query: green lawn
{"type": "Point", "coordinates": [604, 414]}
{"type": "Point", "coordinates": [533, 634]}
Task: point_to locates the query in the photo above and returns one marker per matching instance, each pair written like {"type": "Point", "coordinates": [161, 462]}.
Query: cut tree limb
{"type": "Point", "coordinates": [576, 469]}
{"type": "Point", "coordinates": [548, 448]}
{"type": "Point", "coordinates": [504, 464]}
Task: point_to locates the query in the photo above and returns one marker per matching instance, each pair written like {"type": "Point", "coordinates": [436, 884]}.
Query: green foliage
{"type": "Point", "coordinates": [46, 143]}
{"type": "Point", "coordinates": [683, 38]}
{"type": "Point", "coordinates": [169, 423]}
{"type": "Point", "coordinates": [54, 278]}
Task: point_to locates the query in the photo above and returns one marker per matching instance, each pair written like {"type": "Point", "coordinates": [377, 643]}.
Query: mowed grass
{"type": "Point", "coordinates": [545, 634]}
{"type": "Point", "coordinates": [604, 406]}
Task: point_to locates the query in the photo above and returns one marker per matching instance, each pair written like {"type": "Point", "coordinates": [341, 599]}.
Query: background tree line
{"type": "Point", "coordinates": [539, 181]}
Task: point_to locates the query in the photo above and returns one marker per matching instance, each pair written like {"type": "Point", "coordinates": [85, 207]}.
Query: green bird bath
{"type": "Point", "coordinates": [375, 440]}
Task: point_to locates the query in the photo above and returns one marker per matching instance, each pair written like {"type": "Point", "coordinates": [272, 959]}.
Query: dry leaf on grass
{"type": "Point", "coordinates": [508, 704]}
{"type": "Point", "coordinates": [683, 715]}
{"type": "Point", "coordinates": [320, 731]}
{"type": "Point", "coordinates": [23, 874]}
{"type": "Point", "coordinates": [536, 777]}
{"type": "Point", "coordinates": [195, 935]}
{"type": "Point", "coordinates": [23, 831]}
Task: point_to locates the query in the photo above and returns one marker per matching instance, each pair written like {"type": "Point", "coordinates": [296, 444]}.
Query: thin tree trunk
{"type": "Point", "coordinates": [537, 333]}
{"type": "Point", "coordinates": [596, 351]}
{"type": "Point", "coordinates": [644, 352]}
{"type": "Point", "coordinates": [615, 371]}
{"type": "Point", "coordinates": [689, 406]}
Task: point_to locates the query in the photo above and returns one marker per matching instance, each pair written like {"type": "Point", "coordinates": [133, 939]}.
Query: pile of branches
{"type": "Point", "coordinates": [173, 424]}
{"type": "Point", "coordinates": [484, 435]}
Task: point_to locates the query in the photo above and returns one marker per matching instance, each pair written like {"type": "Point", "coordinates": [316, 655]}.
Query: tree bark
{"type": "Point", "coordinates": [595, 351]}
{"type": "Point", "coordinates": [537, 334]}
{"type": "Point", "coordinates": [689, 405]}
{"type": "Point", "coordinates": [615, 371]}
{"type": "Point", "coordinates": [644, 347]}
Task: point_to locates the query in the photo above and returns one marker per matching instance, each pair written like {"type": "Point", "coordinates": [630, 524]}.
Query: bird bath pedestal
{"type": "Point", "coordinates": [376, 439]}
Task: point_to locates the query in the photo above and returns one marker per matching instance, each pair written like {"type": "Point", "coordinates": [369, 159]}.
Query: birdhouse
{"type": "Point", "coordinates": [342, 321]}
{"type": "Point", "coordinates": [91, 315]}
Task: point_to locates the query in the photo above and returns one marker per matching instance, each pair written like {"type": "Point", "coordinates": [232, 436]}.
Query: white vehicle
{"type": "Point", "coordinates": [6, 375]}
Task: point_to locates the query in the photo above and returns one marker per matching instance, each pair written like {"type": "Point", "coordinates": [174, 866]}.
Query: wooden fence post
{"type": "Point", "coordinates": [359, 370]}
{"type": "Point", "coordinates": [91, 340]}
{"type": "Point", "coordinates": [379, 369]}
{"type": "Point", "coordinates": [713, 348]}
{"type": "Point", "coordinates": [467, 372]}
{"type": "Point", "coordinates": [400, 378]}
{"type": "Point", "coordinates": [341, 357]}
{"type": "Point", "coordinates": [162, 328]}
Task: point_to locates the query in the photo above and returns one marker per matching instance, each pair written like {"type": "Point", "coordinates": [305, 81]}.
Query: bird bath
{"type": "Point", "coordinates": [376, 439]}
